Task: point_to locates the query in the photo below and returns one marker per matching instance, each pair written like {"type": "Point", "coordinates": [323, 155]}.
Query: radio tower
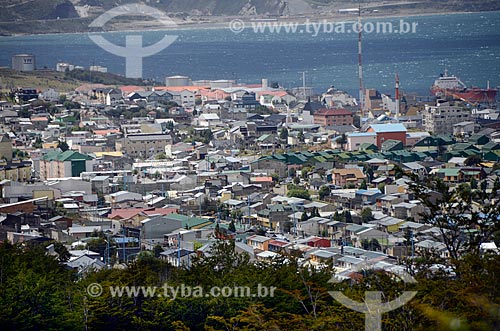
{"type": "Point", "coordinates": [360, 65]}
{"type": "Point", "coordinates": [397, 95]}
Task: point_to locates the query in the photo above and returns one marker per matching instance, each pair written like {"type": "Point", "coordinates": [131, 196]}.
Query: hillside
{"type": "Point", "coordinates": [32, 17]}
{"type": "Point", "coordinates": [43, 79]}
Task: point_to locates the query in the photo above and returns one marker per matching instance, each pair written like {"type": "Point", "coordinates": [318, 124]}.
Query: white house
{"type": "Point", "coordinates": [123, 196]}
{"type": "Point", "coordinates": [209, 120]}
{"type": "Point", "coordinates": [356, 139]}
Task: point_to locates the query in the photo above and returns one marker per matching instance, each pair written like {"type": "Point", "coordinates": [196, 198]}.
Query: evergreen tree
{"type": "Point", "coordinates": [347, 216]}
{"type": "Point", "coordinates": [231, 226]}
{"type": "Point", "coordinates": [363, 186]}
{"type": "Point", "coordinates": [323, 192]}
{"type": "Point", "coordinates": [283, 134]}
{"type": "Point", "coordinates": [366, 215]}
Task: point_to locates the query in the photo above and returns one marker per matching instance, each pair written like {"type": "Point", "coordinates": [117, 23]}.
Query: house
{"type": "Point", "coordinates": [154, 228]}
{"type": "Point", "coordinates": [274, 216]}
{"type": "Point", "coordinates": [178, 257]}
{"type": "Point", "coordinates": [100, 185]}
{"type": "Point", "coordinates": [277, 245]}
{"type": "Point", "coordinates": [151, 96]}
{"type": "Point", "coordinates": [392, 145]}
{"type": "Point", "coordinates": [342, 177]}
{"type": "Point", "coordinates": [322, 256]}
{"type": "Point", "coordinates": [405, 210]}
{"type": "Point", "coordinates": [183, 97]}
{"type": "Point", "coordinates": [113, 96]}
{"type": "Point", "coordinates": [257, 242]}
{"type": "Point", "coordinates": [388, 224]}
{"type": "Point", "coordinates": [247, 101]}
{"type": "Point", "coordinates": [368, 197]}
{"type": "Point", "coordinates": [394, 131]}
{"type": "Point", "coordinates": [316, 242]}
{"type": "Point", "coordinates": [57, 164]}
{"type": "Point", "coordinates": [79, 232]}
{"type": "Point", "coordinates": [270, 165]}
{"type": "Point", "coordinates": [209, 120]}
{"type": "Point", "coordinates": [449, 175]}
{"type": "Point", "coordinates": [333, 117]}
{"type": "Point", "coordinates": [465, 128]}
{"type": "Point", "coordinates": [123, 196]}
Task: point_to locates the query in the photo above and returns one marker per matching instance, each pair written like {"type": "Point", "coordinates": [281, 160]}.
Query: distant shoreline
{"type": "Point", "coordinates": [216, 23]}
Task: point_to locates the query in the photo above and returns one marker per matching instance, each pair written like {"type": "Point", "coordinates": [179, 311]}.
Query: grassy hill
{"type": "Point", "coordinates": [43, 79]}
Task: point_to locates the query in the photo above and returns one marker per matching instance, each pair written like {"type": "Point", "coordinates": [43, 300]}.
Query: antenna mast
{"type": "Point", "coordinates": [397, 95]}
{"type": "Point", "coordinates": [360, 64]}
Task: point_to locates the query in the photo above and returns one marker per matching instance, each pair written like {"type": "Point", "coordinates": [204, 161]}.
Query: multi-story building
{"type": "Point", "coordinates": [441, 118]}
{"type": "Point", "coordinates": [23, 62]}
{"type": "Point", "coordinates": [342, 177]}
{"type": "Point", "coordinates": [389, 131]}
{"type": "Point", "coordinates": [144, 145]}
{"type": "Point", "coordinates": [57, 164]}
{"type": "Point", "coordinates": [5, 147]}
{"type": "Point", "coordinates": [16, 170]}
{"type": "Point", "coordinates": [333, 117]}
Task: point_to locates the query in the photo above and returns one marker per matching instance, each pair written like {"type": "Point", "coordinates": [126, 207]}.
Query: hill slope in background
{"type": "Point", "coordinates": [32, 16]}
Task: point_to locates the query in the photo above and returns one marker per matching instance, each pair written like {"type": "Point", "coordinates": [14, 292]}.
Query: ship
{"type": "Point", "coordinates": [452, 86]}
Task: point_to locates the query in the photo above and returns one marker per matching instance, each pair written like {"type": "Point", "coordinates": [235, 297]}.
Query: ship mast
{"type": "Point", "coordinates": [360, 65]}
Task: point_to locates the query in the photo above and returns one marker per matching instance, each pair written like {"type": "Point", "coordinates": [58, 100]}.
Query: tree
{"type": "Point", "coordinates": [169, 126]}
{"type": "Point", "coordinates": [363, 186]}
{"type": "Point", "coordinates": [366, 215]}
{"type": "Point", "coordinates": [157, 249]}
{"type": "Point", "coordinates": [231, 226]}
{"type": "Point", "coordinates": [347, 216]}
{"type": "Point", "coordinates": [398, 171]}
{"type": "Point", "coordinates": [300, 136]}
{"type": "Point", "coordinates": [369, 173]}
{"type": "Point", "coordinates": [324, 191]}
{"type": "Point", "coordinates": [62, 145]}
{"type": "Point", "coordinates": [296, 180]}
{"type": "Point", "coordinates": [305, 172]}
{"type": "Point", "coordinates": [160, 156]}
{"type": "Point", "coordinates": [38, 142]}
{"type": "Point", "coordinates": [342, 140]}
{"type": "Point", "coordinates": [304, 217]}
{"type": "Point", "coordinates": [375, 245]}
{"type": "Point", "coordinates": [284, 134]}
{"type": "Point", "coordinates": [337, 217]}
{"type": "Point", "coordinates": [465, 218]}
{"type": "Point", "coordinates": [473, 160]}
{"type": "Point", "coordinates": [299, 193]}
{"type": "Point", "coordinates": [275, 177]}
